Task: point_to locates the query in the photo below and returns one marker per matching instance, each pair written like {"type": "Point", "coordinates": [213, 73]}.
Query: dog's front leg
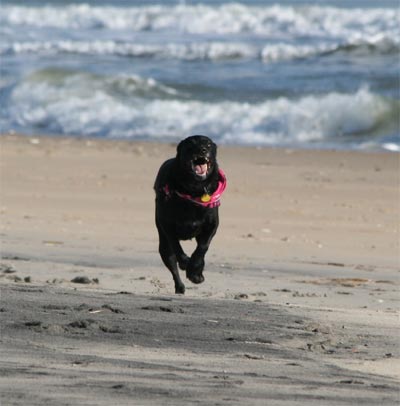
{"type": "Point", "coordinates": [169, 258]}
{"type": "Point", "coordinates": [194, 269]}
{"type": "Point", "coordinates": [182, 258]}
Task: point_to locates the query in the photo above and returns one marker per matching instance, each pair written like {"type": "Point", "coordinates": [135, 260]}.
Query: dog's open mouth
{"type": "Point", "coordinates": [200, 166]}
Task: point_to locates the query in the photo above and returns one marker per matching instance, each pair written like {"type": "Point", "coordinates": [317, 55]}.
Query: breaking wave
{"type": "Point", "coordinates": [68, 102]}
{"type": "Point", "coordinates": [192, 51]}
{"type": "Point", "coordinates": [228, 31]}
{"type": "Point", "coordinates": [274, 21]}
{"type": "Point", "coordinates": [212, 51]}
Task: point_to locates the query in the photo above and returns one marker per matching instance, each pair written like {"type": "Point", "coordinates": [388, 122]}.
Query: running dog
{"type": "Point", "coordinates": [188, 191]}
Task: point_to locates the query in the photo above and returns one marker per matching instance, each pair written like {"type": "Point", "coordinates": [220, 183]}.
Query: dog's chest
{"type": "Point", "coordinates": [188, 229]}
{"type": "Point", "coordinates": [189, 221]}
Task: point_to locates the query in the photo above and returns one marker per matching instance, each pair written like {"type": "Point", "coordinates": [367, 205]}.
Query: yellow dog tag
{"type": "Point", "coordinates": [205, 198]}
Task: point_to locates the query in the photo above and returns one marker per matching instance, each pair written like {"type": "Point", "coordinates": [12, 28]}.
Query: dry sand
{"type": "Point", "coordinates": [301, 299]}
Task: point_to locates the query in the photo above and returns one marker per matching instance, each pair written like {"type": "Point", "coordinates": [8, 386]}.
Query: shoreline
{"type": "Point", "coordinates": [153, 142]}
{"type": "Point", "coordinates": [301, 281]}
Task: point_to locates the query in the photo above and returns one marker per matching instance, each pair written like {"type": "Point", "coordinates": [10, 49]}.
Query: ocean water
{"type": "Point", "coordinates": [304, 74]}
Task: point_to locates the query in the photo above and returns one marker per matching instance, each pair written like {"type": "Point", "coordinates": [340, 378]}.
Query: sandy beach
{"type": "Point", "coordinates": [300, 303]}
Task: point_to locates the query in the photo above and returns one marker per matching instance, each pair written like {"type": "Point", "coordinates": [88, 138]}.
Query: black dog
{"type": "Point", "coordinates": [188, 190]}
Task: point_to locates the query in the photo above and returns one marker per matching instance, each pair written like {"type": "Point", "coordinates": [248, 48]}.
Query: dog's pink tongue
{"type": "Point", "coordinates": [200, 169]}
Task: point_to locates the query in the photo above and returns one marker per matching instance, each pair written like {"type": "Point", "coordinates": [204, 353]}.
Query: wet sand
{"type": "Point", "coordinates": [301, 299]}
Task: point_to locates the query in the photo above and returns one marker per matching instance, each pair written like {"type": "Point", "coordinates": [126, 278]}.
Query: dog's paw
{"type": "Point", "coordinates": [195, 265]}
{"type": "Point", "coordinates": [180, 289]}
{"type": "Point", "coordinates": [194, 270]}
{"type": "Point", "coordinates": [195, 278]}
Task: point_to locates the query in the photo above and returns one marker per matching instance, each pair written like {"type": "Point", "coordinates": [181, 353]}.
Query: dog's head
{"type": "Point", "coordinates": [197, 157]}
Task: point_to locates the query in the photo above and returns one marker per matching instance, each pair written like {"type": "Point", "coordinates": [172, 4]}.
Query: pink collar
{"type": "Point", "coordinates": [206, 200]}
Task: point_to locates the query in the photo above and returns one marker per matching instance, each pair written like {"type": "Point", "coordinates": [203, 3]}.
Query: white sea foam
{"type": "Point", "coordinates": [191, 51]}
{"type": "Point", "coordinates": [379, 44]}
{"type": "Point", "coordinates": [86, 105]}
{"type": "Point", "coordinates": [210, 50]}
{"type": "Point", "coordinates": [391, 146]}
{"type": "Point", "coordinates": [273, 21]}
{"type": "Point", "coordinates": [274, 30]}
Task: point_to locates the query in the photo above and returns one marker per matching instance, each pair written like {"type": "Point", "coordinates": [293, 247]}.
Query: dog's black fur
{"type": "Point", "coordinates": [181, 219]}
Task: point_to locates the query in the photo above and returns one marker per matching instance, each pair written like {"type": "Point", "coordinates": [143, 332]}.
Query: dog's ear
{"type": "Point", "coordinates": [181, 146]}
{"type": "Point", "coordinates": [179, 149]}
{"type": "Point", "coordinates": [214, 148]}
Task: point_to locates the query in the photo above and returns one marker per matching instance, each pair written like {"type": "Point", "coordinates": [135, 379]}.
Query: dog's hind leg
{"type": "Point", "coordinates": [169, 258]}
